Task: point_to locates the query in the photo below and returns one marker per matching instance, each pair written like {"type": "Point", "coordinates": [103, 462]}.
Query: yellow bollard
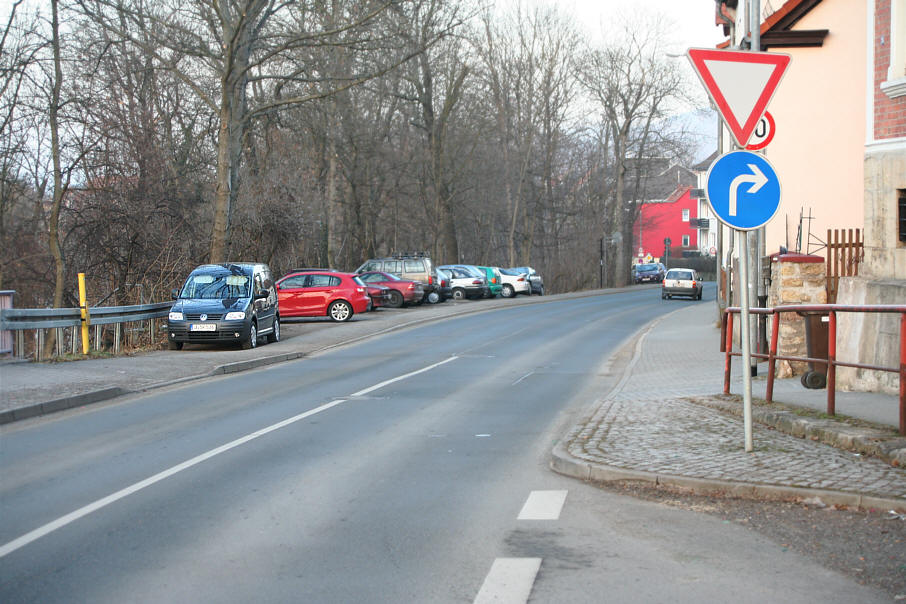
{"type": "Point", "coordinates": [83, 304]}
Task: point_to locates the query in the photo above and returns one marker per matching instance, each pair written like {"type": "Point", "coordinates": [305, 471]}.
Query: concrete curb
{"type": "Point", "coordinates": [61, 404]}
{"type": "Point", "coordinates": [564, 463]}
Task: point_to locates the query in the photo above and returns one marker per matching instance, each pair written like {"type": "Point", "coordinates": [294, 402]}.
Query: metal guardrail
{"type": "Point", "coordinates": [13, 319]}
{"type": "Point", "coordinates": [831, 362]}
{"type": "Point", "coordinates": [19, 320]}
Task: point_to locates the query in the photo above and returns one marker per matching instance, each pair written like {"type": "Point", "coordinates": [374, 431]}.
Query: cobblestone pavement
{"type": "Point", "coordinates": [649, 427]}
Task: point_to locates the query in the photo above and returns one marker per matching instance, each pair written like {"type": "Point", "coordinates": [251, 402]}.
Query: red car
{"type": "Point", "coordinates": [403, 291]}
{"type": "Point", "coordinates": [380, 296]}
{"type": "Point", "coordinates": [317, 294]}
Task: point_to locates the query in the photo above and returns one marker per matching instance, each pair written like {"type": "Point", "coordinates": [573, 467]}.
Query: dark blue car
{"type": "Point", "coordinates": [653, 272]}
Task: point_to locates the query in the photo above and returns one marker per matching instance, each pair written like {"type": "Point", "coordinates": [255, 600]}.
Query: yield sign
{"type": "Point", "coordinates": [740, 83]}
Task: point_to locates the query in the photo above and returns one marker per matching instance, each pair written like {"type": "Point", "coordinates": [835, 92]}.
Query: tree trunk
{"type": "Point", "coordinates": [53, 230]}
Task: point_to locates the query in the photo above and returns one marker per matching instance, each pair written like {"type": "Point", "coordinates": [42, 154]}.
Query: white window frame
{"type": "Point", "coordinates": [686, 215]}
{"type": "Point", "coordinates": [895, 86]}
{"type": "Point", "coordinates": [685, 240]}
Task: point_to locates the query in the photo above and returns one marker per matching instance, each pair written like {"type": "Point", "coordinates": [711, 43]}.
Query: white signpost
{"type": "Point", "coordinates": [741, 85]}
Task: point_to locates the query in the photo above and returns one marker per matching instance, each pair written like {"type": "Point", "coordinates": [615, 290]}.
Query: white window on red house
{"type": "Point", "coordinates": [686, 215]}
{"type": "Point", "coordinates": [895, 85]}
{"type": "Point", "coordinates": [686, 239]}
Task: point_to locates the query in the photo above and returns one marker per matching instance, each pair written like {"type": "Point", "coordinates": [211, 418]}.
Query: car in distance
{"type": "Point", "coordinates": [681, 282]}
{"type": "Point", "coordinates": [402, 291]}
{"type": "Point", "coordinates": [379, 295]}
{"type": "Point", "coordinates": [465, 281]}
{"type": "Point", "coordinates": [534, 278]}
{"type": "Point", "coordinates": [230, 302]}
{"type": "Point", "coordinates": [415, 266]}
{"type": "Point", "coordinates": [495, 281]}
{"type": "Point", "coordinates": [651, 272]}
{"type": "Point", "coordinates": [514, 283]}
{"type": "Point", "coordinates": [317, 294]}
{"type": "Point", "coordinates": [444, 289]}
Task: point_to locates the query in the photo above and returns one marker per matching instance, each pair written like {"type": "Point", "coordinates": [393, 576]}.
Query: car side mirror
{"type": "Point", "coordinates": [260, 294]}
{"type": "Point", "coordinates": [174, 293]}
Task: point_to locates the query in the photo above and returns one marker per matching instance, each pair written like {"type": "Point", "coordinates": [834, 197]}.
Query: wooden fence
{"type": "Point", "coordinates": [844, 254]}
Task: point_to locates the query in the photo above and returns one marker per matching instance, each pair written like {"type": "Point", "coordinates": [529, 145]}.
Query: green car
{"type": "Point", "coordinates": [495, 283]}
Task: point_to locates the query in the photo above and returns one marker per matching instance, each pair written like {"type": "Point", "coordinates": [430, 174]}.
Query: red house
{"type": "Point", "coordinates": [672, 217]}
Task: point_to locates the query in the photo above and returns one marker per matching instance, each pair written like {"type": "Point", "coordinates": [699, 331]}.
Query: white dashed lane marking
{"type": "Point", "coordinates": [543, 505]}
{"type": "Point", "coordinates": [509, 582]}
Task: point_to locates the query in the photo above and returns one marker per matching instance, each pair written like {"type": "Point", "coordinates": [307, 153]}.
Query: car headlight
{"type": "Point", "coordinates": [176, 316]}
{"type": "Point", "coordinates": [235, 316]}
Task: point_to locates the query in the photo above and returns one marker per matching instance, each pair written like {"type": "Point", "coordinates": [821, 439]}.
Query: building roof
{"type": "Point", "coordinates": [777, 32]}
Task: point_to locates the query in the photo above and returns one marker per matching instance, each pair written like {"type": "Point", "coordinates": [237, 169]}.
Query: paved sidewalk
{"type": "Point", "coordinates": [665, 422]}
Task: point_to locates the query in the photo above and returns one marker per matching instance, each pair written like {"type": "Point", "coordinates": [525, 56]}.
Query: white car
{"type": "Point", "coordinates": [465, 282]}
{"type": "Point", "coordinates": [514, 283]}
{"type": "Point", "coordinates": [681, 282]}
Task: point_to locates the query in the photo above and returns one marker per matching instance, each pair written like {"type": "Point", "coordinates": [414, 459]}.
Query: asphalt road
{"type": "Point", "coordinates": [393, 470]}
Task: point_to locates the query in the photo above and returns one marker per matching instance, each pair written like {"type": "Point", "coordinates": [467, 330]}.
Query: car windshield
{"type": "Point", "coordinates": [647, 267]}
{"type": "Point", "coordinates": [510, 271]}
{"type": "Point", "coordinates": [216, 286]}
{"type": "Point", "coordinates": [389, 277]}
{"type": "Point", "coordinates": [680, 275]}
{"type": "Point", "coordinates": [358, 281]}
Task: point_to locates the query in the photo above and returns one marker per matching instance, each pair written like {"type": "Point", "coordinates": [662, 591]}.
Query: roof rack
{"type": "Point", "coordinates": [401, 255]}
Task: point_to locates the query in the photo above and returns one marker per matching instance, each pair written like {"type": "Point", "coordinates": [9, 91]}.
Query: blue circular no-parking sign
{"type": "Point", "coordinates": [743, 190]}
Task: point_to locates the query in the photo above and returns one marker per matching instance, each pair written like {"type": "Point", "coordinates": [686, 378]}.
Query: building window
{"type": "Point", "coordinates": [685, 215]}
{"type": "Point", "coordinates": [901, 216]}
{"type": "Point", "coordinates": [895, 85]}
{"type": "Point", "coordinates": [686, 239]}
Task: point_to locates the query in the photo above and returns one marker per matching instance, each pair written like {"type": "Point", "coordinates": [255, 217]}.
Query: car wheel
{"type": "Point", "coordinates": [663, 296]}
{"type": "Point", "coordinates": [459, 293]}
{"type": "Point", "coordinates": [274, 336]}
{"type": "Point", "coordinates": [433, 298]}
{"type": "Point", "coordinates": [171, 345]}
{"type": "Point", "coordinates": [340, 310]}
{"type": "Point", "coordinates": [541, 291]}
{"type": "Point", "coordinates": [252, 340]}
{"type": "Point", "coordinates": [507, 291]}
{"type": "Point", "coordinates": [396, 299]}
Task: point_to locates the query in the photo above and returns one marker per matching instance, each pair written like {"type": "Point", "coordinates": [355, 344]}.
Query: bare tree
{"type": "Point", "coordinates": [633, 83]}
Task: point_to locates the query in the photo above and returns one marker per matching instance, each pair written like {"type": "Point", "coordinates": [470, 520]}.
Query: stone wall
{"type": "Point", "coordinates": [795, 279]}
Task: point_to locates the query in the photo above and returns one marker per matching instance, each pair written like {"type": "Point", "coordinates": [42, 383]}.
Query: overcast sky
{"type": "Point", "coordinates": [693, 20]}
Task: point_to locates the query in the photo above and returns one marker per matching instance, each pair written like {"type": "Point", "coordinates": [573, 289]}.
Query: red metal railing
{"type": "Point", "coordinates": [831, 362]}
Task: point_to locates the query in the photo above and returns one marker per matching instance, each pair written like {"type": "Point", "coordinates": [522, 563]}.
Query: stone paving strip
{"type": "Point", "coordinates": [680, 438]}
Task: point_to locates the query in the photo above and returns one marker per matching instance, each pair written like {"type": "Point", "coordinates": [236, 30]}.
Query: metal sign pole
{"type": "Point", "coordinates": [744, 340]}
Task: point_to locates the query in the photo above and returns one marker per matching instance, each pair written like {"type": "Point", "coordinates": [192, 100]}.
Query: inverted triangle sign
{"type": "Point", "coordinates": [741, 84]}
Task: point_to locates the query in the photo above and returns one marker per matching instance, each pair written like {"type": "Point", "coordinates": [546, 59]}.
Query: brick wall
{"type": "Point", "coordinates": [889, 114]}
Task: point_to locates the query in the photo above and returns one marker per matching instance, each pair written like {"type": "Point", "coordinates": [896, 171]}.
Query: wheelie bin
{"type": "Point", "coordinates": [816, 345]}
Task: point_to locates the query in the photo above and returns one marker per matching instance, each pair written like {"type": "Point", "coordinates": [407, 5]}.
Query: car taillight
{"type": "Point", "coordinates": [430, 279]}
{"type": "Point", "coordinates": [494, 280]}
{"type": "Point", "coordinates": [521, 279]}
{"type": "Point", "coordinates": [476, 282]}
{"type": "Point", "coordinates": [410, 286]}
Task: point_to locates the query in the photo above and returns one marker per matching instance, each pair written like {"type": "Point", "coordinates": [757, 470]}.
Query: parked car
{"type": "Point", "coordinates": [653, 272]}
{"type": "Point", "coordinates": [534, 278]}
{"type": "Point", "coordinates": [514, 283]}
{"type": "Point", "coordinates": [681, 282]}
{"type": "Point", "coordinates": [412, 266]}
{"type": "Point", "coordinates": [231, 302]}
{"type": "Point", "coordinates": [379, 295]}
{"type": "Point", "coordinates": [444, 289]}
{"type": "Point", "coordinates": [402, 291]}
{"type": "Point", "coordinates": [495, 281]}
{"type": "Point", "coordinates": [466, 282]}
{"type": "Point", "coordinates": [316, 294]}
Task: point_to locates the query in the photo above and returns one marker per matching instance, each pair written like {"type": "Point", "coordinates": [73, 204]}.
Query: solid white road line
{"type": "Point", "coordinates": [71, 517]}
{"type": "Point", "coordinates": [522, 378]}
{"type": "Point", "coordinates": [543, 505]}
{"type": "Point", "coordinates": [510, 581]}
{"type": "Point", "coordinates": [402, 377]}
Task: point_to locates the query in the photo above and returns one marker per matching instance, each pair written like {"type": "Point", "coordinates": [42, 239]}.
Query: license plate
{"type": "Point", "coordinates": [203, 327]}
